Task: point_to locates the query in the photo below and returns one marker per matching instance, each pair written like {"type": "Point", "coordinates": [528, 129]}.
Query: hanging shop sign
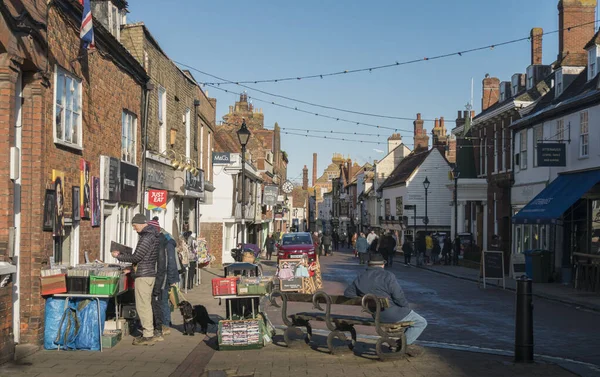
{"type": "Point", "coordinates": [221, 158]}
{"type": "Point", "coordinates": [194, 185]}
{"type": "Point", "coordinates": [129, 183]}
{"type": "Point", "coordinates": [551, 154]}
{"type": "Point", "coordinates": [270, 194]}
{"type": "Point", "coordinates": [159, 176]}
{"type": "Point", "coordinates": [157, 199]}
{"type": "Point", "coordinates": [85, 193]}
{"type": "Point", "coordinates": [110, 171]}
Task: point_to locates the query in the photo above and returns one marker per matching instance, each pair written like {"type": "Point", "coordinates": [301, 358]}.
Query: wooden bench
{"type": "Point", "coordinates": [391, 335]}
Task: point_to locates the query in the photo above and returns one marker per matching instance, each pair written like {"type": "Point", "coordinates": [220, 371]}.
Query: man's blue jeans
{"type": "Point", "coordinates": [412, 333]}
{"type": "Point", "coordinates": [166, 310]}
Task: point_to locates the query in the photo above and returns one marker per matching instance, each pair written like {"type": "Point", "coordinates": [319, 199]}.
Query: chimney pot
{"type": "Point", "coordinates": [418, 116]}
{"type": "Point", "coordinates": [436, 124]}
{"type": "Point", "coordinates": [459, 116]}
{"type": "Point", "coordinates": [490, 92]}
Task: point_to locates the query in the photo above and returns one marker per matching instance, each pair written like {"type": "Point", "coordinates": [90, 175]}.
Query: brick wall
{"type": "Point", "coordinates": [571, 41]}
{"type": "Point", "coordinates": [214, 239]}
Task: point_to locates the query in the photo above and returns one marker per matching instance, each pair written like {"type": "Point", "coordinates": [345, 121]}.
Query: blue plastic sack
{"type": "Point", "coordinates": [88, 337]}
{"type": "Point", "coordinates": [55, 307]}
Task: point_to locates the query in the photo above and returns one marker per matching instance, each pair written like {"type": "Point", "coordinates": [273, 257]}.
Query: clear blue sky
{"type": "Point", "coordinates": [241, 40]}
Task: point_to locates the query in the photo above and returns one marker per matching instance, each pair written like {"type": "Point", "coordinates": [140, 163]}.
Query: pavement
{"type": "Point", "coordinates": [180, 355]}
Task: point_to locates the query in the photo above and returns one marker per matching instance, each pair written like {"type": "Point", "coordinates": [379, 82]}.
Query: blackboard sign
{"type": "Point", "coordinates": [551, 154]}
{"type": "Point", "coordinates": [288, 282]}
{"type": "Point", "coordinates": [493, 266]}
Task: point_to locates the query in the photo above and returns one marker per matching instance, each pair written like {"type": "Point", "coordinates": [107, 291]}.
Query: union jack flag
{"type": "Point", "coordinates": [87, 27]}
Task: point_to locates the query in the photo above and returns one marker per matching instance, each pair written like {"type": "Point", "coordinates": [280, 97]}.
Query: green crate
{"type": "Point", "coordinates": [103, 285]}
{"type": "Point", "coordinates": [232, 347]}
{"type": "Point", "coordinates": [111, 338]}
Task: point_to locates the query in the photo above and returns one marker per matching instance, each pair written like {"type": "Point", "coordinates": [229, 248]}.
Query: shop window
{"type": "Point", "coordinates": [162, 119]}
{"type": "Point", "coordinates": [526, 237]}
{"type": "Point", "coordinates": [67, 109]}
{"type": "Point", "coordinates": [523, 150]}
{"type": "Point", "coordinates": [583, 134]}
{"type": "Point", "coordinates": [66, 248]}
{"type": "Point", "coordinates": [128, 137]}
{"type": "Point", "coordinates": [124, 229]}
{"type": "Point", "coordinates": [519, 239]}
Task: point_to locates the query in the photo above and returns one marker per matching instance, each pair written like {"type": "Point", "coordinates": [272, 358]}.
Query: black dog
{"type": "Point", "coordinates": [192, 316]}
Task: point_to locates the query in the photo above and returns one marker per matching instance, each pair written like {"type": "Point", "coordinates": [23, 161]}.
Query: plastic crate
{"type": "Point", "coordinates": [78, 284]}
{"type": "Point", "coordinates": [111, 338]}
{"type": "Point", "coordinates": [245, 329]}
{"type": "Point", "coordinates": [252, 289]}
{"type": "Point", "coordinates": [54, 284]}
{"type": "Point", "coordinates": [224, 286]}
{"type": "Point", "coordinates": [103, 285]}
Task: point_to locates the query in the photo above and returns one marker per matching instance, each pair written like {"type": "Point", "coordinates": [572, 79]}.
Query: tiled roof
{"type": "Point", "coordinates": [594, 41]}
{"type": "Point", "coordinates": [405, 168]}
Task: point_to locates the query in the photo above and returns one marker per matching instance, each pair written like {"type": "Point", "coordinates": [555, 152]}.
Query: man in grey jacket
{"type": "Point", "coordinates": [383, 283]}
{"type": "Point", "coordinates": [144, 265]}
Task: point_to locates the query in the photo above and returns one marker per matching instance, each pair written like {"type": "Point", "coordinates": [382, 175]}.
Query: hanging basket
{"type": "Point", "coordinates": [248, 257]}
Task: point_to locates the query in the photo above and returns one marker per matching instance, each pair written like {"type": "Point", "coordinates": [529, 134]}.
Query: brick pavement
{"type": "Point", "coordinates": [180, 356]}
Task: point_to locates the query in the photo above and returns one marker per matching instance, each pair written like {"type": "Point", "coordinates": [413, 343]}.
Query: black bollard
{"type": "Point", "coordinates": [524, 322]}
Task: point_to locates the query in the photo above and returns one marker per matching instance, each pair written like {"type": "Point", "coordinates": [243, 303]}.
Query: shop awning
{"type": "Point", "coordinates": [550, 204]}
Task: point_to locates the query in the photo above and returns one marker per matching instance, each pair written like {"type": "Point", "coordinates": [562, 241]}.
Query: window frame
{"type": "Point", "coordinates": [188, 133]}
{"type": "Point", "coordinates": [560, 129]}
{"type": "Point", "coordinates": [523, 149]}
{"type": "Point", "coordinates": [162, 119]}
{"type": "Point", "coordinates": [124, 230]}
{"type": "Point", "coordinates": [559, 83]}
{"type": "Point", "coordinates": [536, 138]}
{"type": "Point", "coordinates": [58, 70]}
{"type": "Point", "coordinates": [584, 135]}
{"type": "Point", "coordinates": [132, 131]}
{"type": "Point", "coordinates": [592, 62]}
{"type": "Point", "coordinates": [501, 165]}
{"type": "Point", "coordinates": [495, 150]}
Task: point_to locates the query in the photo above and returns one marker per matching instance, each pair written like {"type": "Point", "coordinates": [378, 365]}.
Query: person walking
{"type": "Point", "coordinates": [362, 248]}
{"type": "Point", "coordinates": [327, 239]}
{"type": "Point", "coordinates": [381, 283]}
{"type": "Point", "coordinates": [371, 236]}
{"type": "Point", "coordinates": [336, 241]}
{"type": "Point", "coordinates": [437, 249]}
{"type": "Point", "coordinates": [144, 265]}
{"type": "Point", "coordinates": [447, 250]}
{"type": "Point", "coordinates": [408, 250]}
{"type": "Point", "coordinates": [270, 245]}
{"type": "Point", "coordinates": [387, 247]}
{"type": "Point", "coordinates": [421, 248]}
{"type": "Point", "coordinates": [428, 249]}
{"type": "Point", "coordinates": [456, 251]}
{"type": "Point", "coordinates": [374, 247]}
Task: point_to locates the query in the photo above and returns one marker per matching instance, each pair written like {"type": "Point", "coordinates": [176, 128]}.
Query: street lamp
{"type": "Point", "coordinates": [426, 219]}
{"type": "Point", "coordinates": [243, 136]}
{"type": "Point", "coordinates": [456, 174]}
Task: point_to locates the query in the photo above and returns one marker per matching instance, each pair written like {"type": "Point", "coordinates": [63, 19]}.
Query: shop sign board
{"type": "Point", "coordinates": [129, 183]}
{"type": "Point", "coordinates": [270, 194]}
{"type": "Point", "coordinates": [157, 199]}
{"type": "Point", "coordinates": [492, 266]}
{"type": "Point", "coordinates": [221, 158]}
{"type": "Point", "coordinates": [110, 175]}
{"type": "Point", "coordinates": [159, 176]}
{"type": "Point", "coordinates": [551, 154]}
{"type": "Point", "coordinates": [288, 282]}
{"type": "Point", "coordinates": [194, 185]}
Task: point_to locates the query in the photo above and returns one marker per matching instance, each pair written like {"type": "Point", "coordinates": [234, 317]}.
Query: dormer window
{"type": "Point", "coordinates": [514, 85]}
{"type": "Point", "coordinates": [559, 83]}
{"type": "Point", "coordinates": [592, 62]}
{"type": "Point", "coordinates": [530, 77]}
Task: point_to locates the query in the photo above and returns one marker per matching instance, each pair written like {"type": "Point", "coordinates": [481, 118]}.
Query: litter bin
{"type": "Point", "coordinates": [542, 266]}
{"type": "Point", "coordinates": [529, 263]}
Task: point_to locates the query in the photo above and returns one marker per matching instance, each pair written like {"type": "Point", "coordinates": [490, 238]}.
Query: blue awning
{"type": "Point", "coordinates": [550, 204]}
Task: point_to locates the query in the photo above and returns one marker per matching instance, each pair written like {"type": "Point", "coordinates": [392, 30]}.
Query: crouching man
{"type": "Point", "coordinates": [382, 283]}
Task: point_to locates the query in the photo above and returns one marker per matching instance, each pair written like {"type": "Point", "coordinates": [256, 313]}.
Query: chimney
{"type": "Point", "coordinates": [571, 41]}
{"type": "Point", "coordinates": [536, 45]}
{"type": "Point", "coordinates": [314, 180]}
{"type": "Point", "coordinates": [491, 92]}
{"type": "Point", "coordinates": [394, 141]}
{"type": "Point", "coordinates": [305, 178]}
{"type": "Point", "coordinates": [230, 109]}
{"type": "Point", "coordinates": [420, 135]}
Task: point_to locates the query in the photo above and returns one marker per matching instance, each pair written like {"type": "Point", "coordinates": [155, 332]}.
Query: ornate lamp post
{"type": "Point", "coordinates": [426, 186]}
{"type": "Point", "coordinates": [243, 136]}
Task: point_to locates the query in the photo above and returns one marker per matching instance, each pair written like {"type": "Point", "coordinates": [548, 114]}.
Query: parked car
{"type": "Point", "coordinates": [296, 245]}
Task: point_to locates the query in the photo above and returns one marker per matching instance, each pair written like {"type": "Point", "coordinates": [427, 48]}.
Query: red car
{"type": "Point", "coordinates": [296, 245]}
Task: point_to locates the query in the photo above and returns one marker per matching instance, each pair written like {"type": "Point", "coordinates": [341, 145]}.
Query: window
{"type": "Point", "coordinates": [515, 84]}
{"type": "Point", "coordinates": [399, 206]}
{"type": "Point", "coordinates": [583, 134]}
{"type": "Point", "coordinates": [124, 226]}
{"type": "Point", "coordinates": [162, 119]}
{"type": "Point", "coordinates": [481, 156]}
{"type": "Point", "coordinates": [209, 166]}
{"type": "Point", "coordinates": [538, 136]}
{"type": "Point", "coordinates": [485, 155]}
{"type": "Point", "coordinates": [202, 148]}
{"type": "Point", "coordinates": [495, 215]}
{"type": "Point", "coordinates": [530, 77]}
{"type": "Point", "coordinates": [559, 83]}
{"type": "Point", "coordinates": [388, 210]}
{"type": "Point", "coordinates": [510, 145]}
{"type": "Point", "coordinates": [519, 238]}
{"type": "Point", "coordinates": [188, 135]}
{"type": "Point", "coordinates": [592, 63]}
{"type": "Point", "coordinates": [66, 248]}
{"type": "Point", "coordinates": [560, 130]}
{"type": "Point", "coordinates": [128, 138]}
{"type": "Point", "coordinates": [503, 150]}
{"type": "Point", "coordinates": [495, 149]}
{"type": "Point", "coordinates": [114, 21]}
{"type": "Point", "coordinates": [67, 109]}
{"type": "Point", "coordinates": [523, 150]}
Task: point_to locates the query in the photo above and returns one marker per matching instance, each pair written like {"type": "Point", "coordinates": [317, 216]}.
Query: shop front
{"type": "Point", "coordinates": [193, 196]}
{"type": "Point", "coordinates": [160, 193]}
{"type": "Point", "coordinates": [562, 220]}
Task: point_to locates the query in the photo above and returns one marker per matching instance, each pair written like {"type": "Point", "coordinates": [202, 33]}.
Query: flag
{"type": "Point", "coordinates": [87, 27]}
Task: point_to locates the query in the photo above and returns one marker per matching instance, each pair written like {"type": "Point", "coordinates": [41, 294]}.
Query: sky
{"type": "Point", "coordinates": [241, 40]}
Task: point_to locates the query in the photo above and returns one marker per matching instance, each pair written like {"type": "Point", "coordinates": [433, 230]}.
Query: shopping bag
{"type": "Point", "coordinates": [175, 297]}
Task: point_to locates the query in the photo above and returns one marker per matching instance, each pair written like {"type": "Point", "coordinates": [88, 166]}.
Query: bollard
{"type": "Point", "coordinates": [524, 322]}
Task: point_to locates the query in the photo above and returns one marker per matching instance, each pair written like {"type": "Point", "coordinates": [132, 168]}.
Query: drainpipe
{"type": "Point", "coordinates": [146, 100]}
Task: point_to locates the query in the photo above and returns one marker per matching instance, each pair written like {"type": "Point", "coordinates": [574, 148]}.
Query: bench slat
{"type": "Point", "coordinates": [335, 300]}
{"type": "Point", "coordinates": [347, 319]}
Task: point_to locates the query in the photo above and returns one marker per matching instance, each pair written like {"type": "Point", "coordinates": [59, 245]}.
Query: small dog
{"type": "Point", "coordinates": [193, 316]}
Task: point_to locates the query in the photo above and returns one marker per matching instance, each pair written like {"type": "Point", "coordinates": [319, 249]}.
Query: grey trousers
{"type": "Point", "coordinates": [143, 304]}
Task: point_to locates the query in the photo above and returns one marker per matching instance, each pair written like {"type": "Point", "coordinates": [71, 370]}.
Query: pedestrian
{"type": "Point", "coordinates": [320, 243]}
{"type": "Point", "coordinates": [407, 248]}
{"type": "Point", "coordinates": [437, 249]}
{"type": "Point", "coordinates": [456, 251]}
{"type": "Point", "coordinates": [371, 236]}
{"type": "Point", "coordinates": [374, 247]}
{"type": "Point", "coordinates": [421, 248]}
{"type": "Point", "coordinates": [428, 248]}
{"type": "Point", "coordinates": [362, 248]}
{"type": "Point", "coordinates": [447, 250]}
{"type": "Point", "coordinates": [144, 265]}
{"type": "Point", "coordinates": [270, 245]}
{"type": "Point", "coordinates": [192, 245]}
{"type": "Point", "coordinates": [345, 240]}
{"type": "Point", "coordinates": [336, 240]}
{"type": "Point", "coordinates": [327, 244]}
{"type": "Point", "coordinates": [387, 247]}
{"type": "Point", "coordinates": [381, 283]}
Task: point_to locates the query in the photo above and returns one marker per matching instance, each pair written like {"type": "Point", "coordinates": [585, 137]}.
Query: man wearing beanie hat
{"type": "Point", "coordinates": [144, 265]}
{"type": "Point", "coordinates": [383, 283]}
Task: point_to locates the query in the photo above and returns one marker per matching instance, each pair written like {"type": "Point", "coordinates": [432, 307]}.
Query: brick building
{"type": "Point", "coordinates": [180, 128]}
{"type": "Point", "coordinates": [62, 105]}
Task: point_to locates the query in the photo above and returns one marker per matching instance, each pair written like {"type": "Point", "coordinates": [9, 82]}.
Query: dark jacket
{"type": "Point", "coordinates": [374, 245]}
{"type": "Point", "coordinates": [381, 283]}
{"type": "Point", "coordinates": [172, 269]}
{"type": "Point", "coordinates": [437, 249]}
{"type": "Point", "coordinates": [407, 248]}
{"type": "Point", "coordinates": [326, 240]}
{"type": "Point", "coordinates": [161, 267]}
{"type": "Point", "coordinates": [447, 249]}
{"type": "Point", "coordinates": [270, 244]}
{"type": "Point", "coordinates": [421, 246]}
{"type": "Point", "coordinates": [146, 253]}
{"type": "Point", "coordinates": [387, 244]}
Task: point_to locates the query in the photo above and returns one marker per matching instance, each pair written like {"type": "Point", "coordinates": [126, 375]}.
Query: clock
{"type": "Point", "coordinates": [287, 187]}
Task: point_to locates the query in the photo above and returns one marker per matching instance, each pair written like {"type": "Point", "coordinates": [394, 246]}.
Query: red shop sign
{"type": "Point", "coordinates": [157, 199]}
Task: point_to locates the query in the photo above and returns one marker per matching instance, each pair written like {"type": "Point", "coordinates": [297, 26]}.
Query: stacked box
{"type": "Point", "coordinates": [224, 286]}
{"type": "Point", "coordinates": [245, 334]}
{"type": "Point", "coordinates": [103, 285]}
{"type": "Point", "coordinates": [54, 284]}
{"type": "Point", "coordinates": [111, 338]}
{"type": "Point", "coordinates": [78, 284]}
